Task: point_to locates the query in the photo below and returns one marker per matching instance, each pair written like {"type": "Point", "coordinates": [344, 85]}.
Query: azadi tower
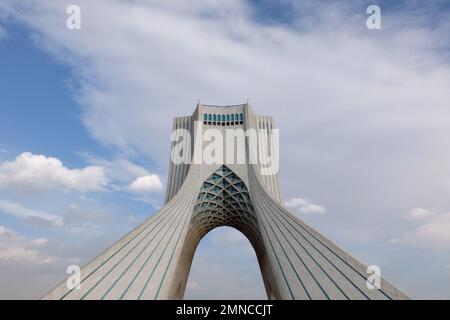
{"type": "Point", "coordinates": [153, 261]}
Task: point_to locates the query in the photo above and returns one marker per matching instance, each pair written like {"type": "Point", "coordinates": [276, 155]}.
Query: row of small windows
{"type": "Point", "coordinates": [224, 120]}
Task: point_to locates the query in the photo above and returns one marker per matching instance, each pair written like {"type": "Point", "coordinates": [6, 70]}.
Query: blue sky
{"type": "Point", "coordinates": [87, 113]}
{"type": "Point", "coordinates": [41, 112]}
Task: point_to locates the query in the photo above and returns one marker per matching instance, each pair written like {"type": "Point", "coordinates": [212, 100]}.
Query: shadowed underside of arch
{"type": "Point", "coordinates": [224, 200]}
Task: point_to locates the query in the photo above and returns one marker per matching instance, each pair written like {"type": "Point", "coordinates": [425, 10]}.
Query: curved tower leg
{"type": "Point", "coordinates": [306, 264]}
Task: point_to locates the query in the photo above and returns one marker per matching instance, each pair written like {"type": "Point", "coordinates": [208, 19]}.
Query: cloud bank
{"type": "Point", "coordinates": [433, 233]}
{"type": "Point", "coordinates": [29, 172]}
{"type": "Point", "coordinates": [306, 206]}
{"type": "Point", "coordinates": [146, 184]}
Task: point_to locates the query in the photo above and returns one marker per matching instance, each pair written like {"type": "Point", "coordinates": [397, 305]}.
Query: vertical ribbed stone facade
{"type": "Point", "coordinates": [153, 261]}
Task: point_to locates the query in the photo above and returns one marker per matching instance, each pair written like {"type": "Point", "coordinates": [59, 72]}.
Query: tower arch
{"type": "Point", "coordinates": [223, 200]}
{"type": "Point", "coordinates": [153, 260]}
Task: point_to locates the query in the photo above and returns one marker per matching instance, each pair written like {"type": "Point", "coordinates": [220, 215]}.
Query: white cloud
{"type": "Point", "coordinates": [89, 217]}
{"type": "Point", "coordinates": [118, 169]}
{"type": "Point", "coordinates": [146, 184]}
{"type": "Point", "coordinates": [3, 231]}
{"type": "Point", "coordinates": [17, 248]}
{"type": "Point", "coordinates": [434, 233]}
{"type": "Point", "coordinates": [419, 214]}
{"type": "Point", "coordinates": [19, 211]}
{"type": "Point", "coordinates": [29, 172]}
{"type": "Point", "coordinates": [305, 205]}
{"type": "Point", "coordinates": [40, 241]}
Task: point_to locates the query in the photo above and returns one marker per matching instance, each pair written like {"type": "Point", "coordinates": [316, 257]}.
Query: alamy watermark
{"type": "Point", "coordinates": [227, 146]}
{"type": "Point", "coordinates": [74, 280]}
{"type": "Point", "coordinates": [373, 22]}
{"type": "Point", "coordinates": [73, 21]}
{"type": "Point", "coordinates": [374, 280]}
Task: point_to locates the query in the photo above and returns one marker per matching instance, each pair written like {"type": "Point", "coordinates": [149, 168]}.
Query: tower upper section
{"type": "Point", "coordinates": [230, 135]}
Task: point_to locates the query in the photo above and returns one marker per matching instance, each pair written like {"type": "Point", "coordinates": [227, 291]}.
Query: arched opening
{"type": "Point", "coordinates": [225, 266]}
{"type": "Point", "coordinates": [223, 200]}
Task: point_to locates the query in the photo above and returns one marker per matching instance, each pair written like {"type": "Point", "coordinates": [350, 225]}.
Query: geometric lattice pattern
{"type": "Point", "coordinates": [224, 200]}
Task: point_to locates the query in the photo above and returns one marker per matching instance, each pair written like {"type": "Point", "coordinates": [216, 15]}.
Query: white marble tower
{"type": "Point", "coordinates": [153, 261]}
